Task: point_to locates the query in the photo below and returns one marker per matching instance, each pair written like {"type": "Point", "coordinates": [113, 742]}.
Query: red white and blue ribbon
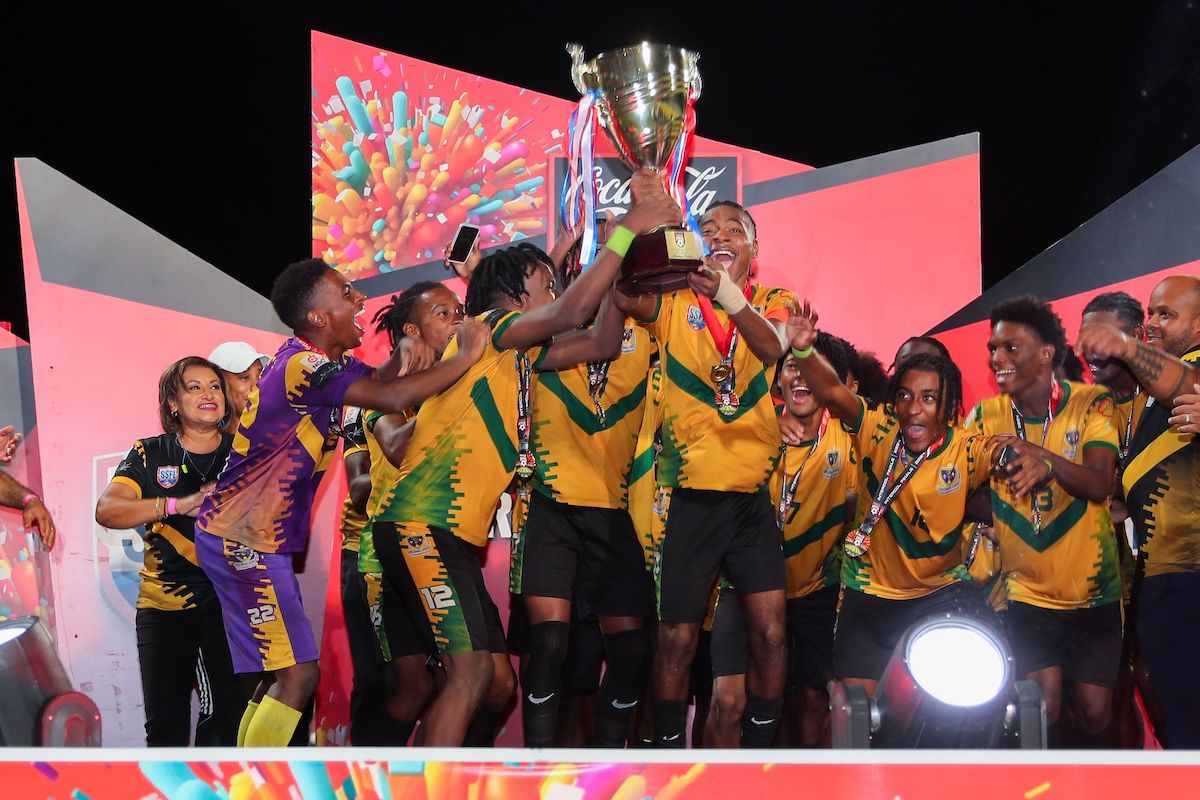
{"type": "Point", "coordinates": [677, 169]}
{"type": "Point", "coordinates": [577, 207]}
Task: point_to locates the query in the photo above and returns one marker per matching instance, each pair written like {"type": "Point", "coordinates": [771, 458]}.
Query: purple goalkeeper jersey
{"type": "Point", "coordinates": [284, 442]}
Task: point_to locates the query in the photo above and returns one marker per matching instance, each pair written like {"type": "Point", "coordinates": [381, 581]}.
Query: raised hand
{"type": "Point", "coordinates": [801, 328]}
{"type": "Point", "coordinates": [472, 338]}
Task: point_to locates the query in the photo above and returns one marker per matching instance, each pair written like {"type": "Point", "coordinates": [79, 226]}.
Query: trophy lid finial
{"type": "Point", "coordinates": [575, 50]}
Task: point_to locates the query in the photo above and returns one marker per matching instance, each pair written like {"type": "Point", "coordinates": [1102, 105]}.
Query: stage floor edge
{"type": "Point", "coordinates": [491, 774]}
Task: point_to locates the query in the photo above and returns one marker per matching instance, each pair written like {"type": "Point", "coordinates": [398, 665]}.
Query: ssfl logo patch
{"type": "Point", "coordinates": [834, 460]}
{"type": "Point", "coordinates": [168, 476]}
{"type": "Point", "coordinates": [1072, 440]}
{"type": "Point", "coordinates": [695, 319]}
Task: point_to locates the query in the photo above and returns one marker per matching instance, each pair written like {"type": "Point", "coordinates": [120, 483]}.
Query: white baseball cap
{"type": "Point", "coordinates": [236, 356]}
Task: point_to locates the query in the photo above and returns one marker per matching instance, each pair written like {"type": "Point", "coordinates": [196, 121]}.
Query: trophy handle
{"type": "Point", "coordinates": [697, 85]}
{"type": "Point", "coordinates": [577, 66]}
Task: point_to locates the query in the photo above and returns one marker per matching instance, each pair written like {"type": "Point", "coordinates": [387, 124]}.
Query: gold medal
{"type": "Point", "coordinates": [720, 373]}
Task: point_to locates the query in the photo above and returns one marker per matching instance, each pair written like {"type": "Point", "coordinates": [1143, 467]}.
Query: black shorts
{"type": "Point", "coordinates": [1085, 642]}
{"type": "Point", "coordinates": [810, 623]}
{"type": "Point", "coordinates": [438, 576]}
{"type": "Point", "coordinates": [710, 531]}
{"type": "Point", "coordinates": [868, 627]}
{"type": "Point", "coordinates": [729, 646]}
{"type": "Point", "coordinates": [597, 548]}
{"type": "Point", "coordinates": [398, 631]}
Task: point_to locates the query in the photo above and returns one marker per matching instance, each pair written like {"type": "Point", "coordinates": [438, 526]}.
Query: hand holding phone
{"type": "Point", "coordinates": [464, 242]}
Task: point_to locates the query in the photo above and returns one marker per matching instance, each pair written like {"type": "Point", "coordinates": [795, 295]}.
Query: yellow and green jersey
{"type": "Point", "coordinates": [383, 476]}
{"type": "Point", "coordinates": [584, 452]}
{"type": "Point", "coordinates": [704, 447]}
{"type": "Point", "coordinates": [916, 547]}
{"type": "Point", "coordinates": [463, 451]}
{"type": "Point", "coordinates": [985, 568]}
{"type": "Point", "coordinates": [1071, 561]}
{"type": "Point", "coordinates": [644, 489]}
{"type": "Point", "coordinates": [1162, 490]}
{"type": "Point", "coordinates": [353, 442]}
{"type": "Point", "coordinates": [818, 517]}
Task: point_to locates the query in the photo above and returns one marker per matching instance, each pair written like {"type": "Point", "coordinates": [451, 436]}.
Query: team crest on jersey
{"type": "Point", "coordinates": [695, 319]}
{"type": "Point", "coordinates": [950, 480]}
{"type": "Point", "coordinates": [168, 476]}
{"type": "Point", "coordinates": [242, 558]}
{"type": "Point", "coordinates": [416, 546]}
{"type": "Point", "coordinates": [628, 342]}
{"type": "Point", "coordinates": [1072, 441]}
{"type": "Point", "coordinates": [834, 461]}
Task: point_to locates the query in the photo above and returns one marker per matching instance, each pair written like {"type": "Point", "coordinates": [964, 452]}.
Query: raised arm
{"type": "Point", "coordinates": [407, 391]}
{"type": "Point", "coordinates": [1160, 374]}
{"type": "Point", "coordinates": [766, 338]}
{"type": "Point", "coordinates": [801, 333]}
{"type": "Point", "coordinates": [600, 342]}
{"type": "Point", "coordinates": [652, 207]}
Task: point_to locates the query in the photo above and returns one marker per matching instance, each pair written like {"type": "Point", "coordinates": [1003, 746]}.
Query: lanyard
{"type": "Point", "coordinates": [789, 487]}
{"type": "Point", "coordinates": [525, 458]}
{"type": "Point", "coordinates": [1019, 424]}
{"type": "Point", "coordinates": [1137, 390]}
{"type": "Point", "coordinates": [859, 541]}
{"type": "Point", "coordinates": [597, 382]}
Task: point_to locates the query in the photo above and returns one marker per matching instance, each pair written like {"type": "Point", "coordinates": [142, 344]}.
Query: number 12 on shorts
{"type": "Point", "coordinates": [438, 596]}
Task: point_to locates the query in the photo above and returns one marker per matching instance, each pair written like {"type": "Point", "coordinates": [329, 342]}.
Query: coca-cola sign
{"type": "Point", "coordinates": [708, 179]}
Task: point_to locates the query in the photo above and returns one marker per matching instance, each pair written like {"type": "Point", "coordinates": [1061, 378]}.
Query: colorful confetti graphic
{"type": "Point", "coordinates": [550, 780]}
{"type": "Point", "coordinates": [404, 152]}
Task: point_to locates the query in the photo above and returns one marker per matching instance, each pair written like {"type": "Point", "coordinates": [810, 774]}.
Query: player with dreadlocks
{"type": "Point", "coordinates": [379, 629]}
{"type": "Point", "coordinates": [903, 562]}
{"type": "Point", "coordinates": [470, 441]}
{"type": "Point", "coordinates": [1050, 514]}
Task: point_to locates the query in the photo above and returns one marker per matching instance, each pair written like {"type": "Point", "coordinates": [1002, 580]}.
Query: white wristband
{"type": "Point", "coordinates": [731, 298]}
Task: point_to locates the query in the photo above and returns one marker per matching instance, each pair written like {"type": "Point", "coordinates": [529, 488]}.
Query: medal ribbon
{"type": "Point", "coordinates": [1019, 425]}
{"type": "Point", "coordinates": [723, 338]}
{"type": "Point", "coordinates": [577, 204]}
{"type": "Point", "coordinates": [597, 382]}
{"type": "Point", "coordinates": [886, 494]}
{"type": "Point", "coordinates": [789, 488]}
{"type": "Point", "coordinates": [524, 415]}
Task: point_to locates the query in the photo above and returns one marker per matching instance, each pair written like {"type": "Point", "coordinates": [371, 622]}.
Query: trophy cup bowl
{"type": "Point", "coordinates": [643, 94]}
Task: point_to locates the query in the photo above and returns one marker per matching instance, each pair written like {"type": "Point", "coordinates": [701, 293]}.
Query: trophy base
{"type": "Point", "coordinates": [660, 260]}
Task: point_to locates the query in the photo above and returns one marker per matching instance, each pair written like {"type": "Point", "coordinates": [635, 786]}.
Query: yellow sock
{"type": "Point", "coordinates": [272, 725]}
{"type": "Point", "coordinates": [244, 725]}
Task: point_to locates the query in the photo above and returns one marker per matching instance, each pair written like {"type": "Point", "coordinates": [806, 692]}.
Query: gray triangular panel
{"type": "Point", "coordinates": [87, 243]}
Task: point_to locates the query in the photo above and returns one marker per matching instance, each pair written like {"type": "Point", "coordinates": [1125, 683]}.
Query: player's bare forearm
{"type": "Point", "coordinates": [764, 337]}
{"type": "Point", "coordinates": [1161, 374]}
{"type": "Point", "coordinates": [601, 342]}
{"type": "Point", "coordinates": [823, 381]}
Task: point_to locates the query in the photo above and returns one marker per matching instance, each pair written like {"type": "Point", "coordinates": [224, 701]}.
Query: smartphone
{"type": "Point", "coordinates": [464, 241]}
{"type": "Point", "coordinates": [1007, 453]}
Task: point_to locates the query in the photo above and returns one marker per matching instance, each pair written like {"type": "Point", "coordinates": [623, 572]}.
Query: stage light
{"type": "Point", "coordinates": [38, 706]}
{"type": "Point", "coordinates": [950, 683]}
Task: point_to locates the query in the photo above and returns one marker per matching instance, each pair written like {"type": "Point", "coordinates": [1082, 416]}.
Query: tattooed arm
{"type": "Point", "coordinates": [1161, 374]}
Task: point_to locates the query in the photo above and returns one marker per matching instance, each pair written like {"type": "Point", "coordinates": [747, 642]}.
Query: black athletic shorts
{"type": "Point", "coordinates": [438, 576]}
{"type": "Point", "coordinates": [710, 531]}
{"type": "Point", "coordinates": [1085, 642]}
{"type": "Point", "coordinates": [597, 548]}
{"type": "Point", "coordinates": [810, 623]}
{"type": "Point", "coordinates": [729, 645]}
{"type": "Point", "coordinates": [868, 627]}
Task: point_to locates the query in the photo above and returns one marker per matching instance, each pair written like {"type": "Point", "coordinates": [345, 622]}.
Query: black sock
{"type": "Point", "coordinates": [760, 720]}
{"type": "Point", "coordinates": [541, 683]}
{"type": "Point", "coordinates": [670, 720]}
{"type": "Point", "coordinates": [482, 730]}
{"type": "Point", "coordinates": [617, 700]}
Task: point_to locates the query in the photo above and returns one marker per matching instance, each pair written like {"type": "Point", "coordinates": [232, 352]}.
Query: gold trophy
{"type": "Point", "coordinates": [643, 100]}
